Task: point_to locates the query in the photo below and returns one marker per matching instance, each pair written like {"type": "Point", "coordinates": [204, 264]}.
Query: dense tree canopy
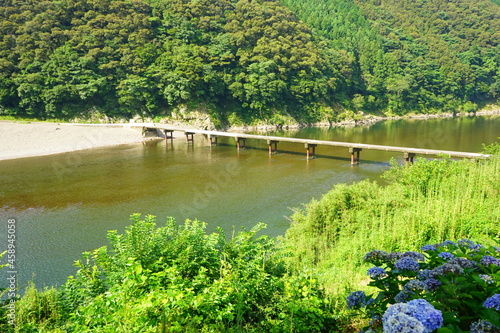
{"type": "Point", "coordinates": [254, 59]}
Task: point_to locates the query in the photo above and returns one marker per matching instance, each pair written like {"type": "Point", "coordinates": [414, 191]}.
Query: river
{"type": "Point", "coordinates": [64, 204]}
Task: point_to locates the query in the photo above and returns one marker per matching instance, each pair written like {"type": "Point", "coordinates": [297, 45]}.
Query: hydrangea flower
{"type": "Point", "coordinates": [463, 262]}
{"type": "Point", "coordinates": [493, 302]}
{"type": "Point", "coordinates": [402, 317]}
{"type": "Point", "coordinates": [395, 256]}
{"type": "Point", "coordinates": [476, 247]}
{"type": "Point", "coordinates": [448, 243]}
{"type": "Point", "coordinates": [377, 273]}
{"type": "Point", "coordinates": [447, 268]}
{"type": "Point", "coordinates": [424, 274]}
{"type": "Point", "coordinates": [446, 256]}
{"type": "Point", "coordinates": [415, 285]}
{"type": "Point", "coordinates": [404, 296]}
{"type": "Point", "coordinates": [407, 264]}
{"type": "Point", "coordinates": [428, 248]}
{"type": "Point", "coordinates": [415, 255]}
{"type": "Point", "coordinates": [356, 299]}
{"type": "Point", "coordinates": [376, 257]}
{"type": "Point", "coordinates": [431, 318]}
{"type": "Point", "coordinates": [402, 323]}
{"type": "Point", "coordinates": [486, 278]}
{"type": "Point", "coordinates": [432, 284]}
{"type": "Point", "coordinates": [489, 260]}
{"type": "Point", "coordinates": [483, 326]}
{"type": "Point", "coordinates": [465, 242]}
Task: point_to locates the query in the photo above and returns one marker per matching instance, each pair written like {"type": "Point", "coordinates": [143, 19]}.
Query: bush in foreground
{"type": "Point", "coordinates": [177, 278]}
{"type": "Point", "coordinates": [452, 287]}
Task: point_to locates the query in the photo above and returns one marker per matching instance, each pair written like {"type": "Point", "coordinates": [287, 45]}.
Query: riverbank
{"type": "Point", "coordinates": [26, 139]}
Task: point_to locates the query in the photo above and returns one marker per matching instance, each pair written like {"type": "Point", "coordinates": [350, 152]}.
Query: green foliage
{"type": "Point", "coordinates": [427, 202]}
{"type": "Point", "coordinates": [456, 278]}
{"type": "Point", "coordinates": [177, 278]}
{"type": "Point", "coordinates": [65, 59]}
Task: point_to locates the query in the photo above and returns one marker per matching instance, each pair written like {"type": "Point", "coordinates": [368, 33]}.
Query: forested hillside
{"type": "Point", "coordinates": [413, 55]}
{"type": "Point", "coordinates": [245, 60]}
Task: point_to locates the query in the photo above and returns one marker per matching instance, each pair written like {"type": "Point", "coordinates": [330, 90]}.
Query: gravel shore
{"type": "Point", "coordinates": [25, 139]}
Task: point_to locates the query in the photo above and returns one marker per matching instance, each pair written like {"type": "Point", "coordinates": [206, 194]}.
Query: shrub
{"type": "Point", "coordinates": [461, 280]}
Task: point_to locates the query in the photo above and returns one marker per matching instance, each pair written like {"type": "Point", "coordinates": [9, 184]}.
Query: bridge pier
{"type": "Point", "coordinates": [169, 134]}
{"type": "Point", "coordinates": [213, 139]}
{"type": "Point", "coordinates": [310, 150]}
{"type": "Point", "coordinates": [409, 158]}
{"type": "Point", "coordinates": [273, 146]}
{"type": "Point", "coordinates": [189, 137]}
{"type": "Point", "coordinates": [240, 143]}
{"type": "Point", "coordinates": [355, 160]}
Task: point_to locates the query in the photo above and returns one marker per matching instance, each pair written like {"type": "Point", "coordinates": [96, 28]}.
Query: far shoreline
{"type": "Point", "coordinates": [22, 138]}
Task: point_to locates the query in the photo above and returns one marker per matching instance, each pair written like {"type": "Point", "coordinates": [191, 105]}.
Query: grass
{"type": "Point", "coordinates": [428, 202]}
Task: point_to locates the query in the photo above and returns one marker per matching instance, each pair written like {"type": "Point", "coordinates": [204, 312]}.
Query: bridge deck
{"type": "Point", "coordinates": [419, 151]}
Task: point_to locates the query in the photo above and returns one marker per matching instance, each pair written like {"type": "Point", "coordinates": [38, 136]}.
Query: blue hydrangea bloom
{"type": "Point", "coordinates": [404, 296]}
{"type": "Point", "coordinates": [489, 260]}
{"type": "Point", "coordinates": [446, 255]}
{"type": "Point", "coordinates": [493, 302]}
{"type": "Point", "coordinates": [428, 248]}
{"type": "Point", "coordinates": [448, 243]}
{"type": "Point", "coordinates": [402, 323]}
{"type": "Point", "coordinates": [377, 273]}
{"type": "Point", "coordinates": [397, 317]}
{"type": "Point", "coordinates": [407, 264]}
{"type": "Point", "coordinates": [424, 312]}
{"type": "Point", "coordinates": [356, 299]}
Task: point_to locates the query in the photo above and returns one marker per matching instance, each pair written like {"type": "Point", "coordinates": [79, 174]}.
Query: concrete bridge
{"type": "Point", "coordinates": [309, 144]}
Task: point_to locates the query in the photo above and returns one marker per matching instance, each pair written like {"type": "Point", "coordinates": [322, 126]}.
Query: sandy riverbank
{"type": "Point", "coordinates": [22, 139]}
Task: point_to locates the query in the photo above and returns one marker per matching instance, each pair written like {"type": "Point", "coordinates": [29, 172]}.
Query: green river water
{"type": "Point", "coordinates": [64, 204]}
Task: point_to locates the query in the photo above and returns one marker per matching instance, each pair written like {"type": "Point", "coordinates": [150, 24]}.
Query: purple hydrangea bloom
{"type": "Point", "coordinates": [465, 242]}
{"type": "Point", "coordinates": [463, 262]}
{"type": "Point", "coordinates": [407, 264]}
{"type": "Point", "coordinates": [356, 299]}
{"type": "Point", "coordinates": [377, 273]}
{"type": "Point", "coordinates": [448, 244]}
{"type": "Point", "coordinates": [483, 326]}
{"type": "Point", "coordinates": [415, 285]}
{"type": "Point", "coordinates": [493, 302]}
{"type": "Point", "coordinates": [395, 256]}
{"type": "Point", "coordinates": [476, 247]}
{"type": "Point", "coordinates": [428, 248]}
{"type": "Point", "coordinates": [424, 274]}
{"type": "Point", "coordinates": [376, 257]}
{"type": "Point", "coordinates": [446, 256]}
{"type": "Point", "coordinates": [415, 255]}
{"type": "Point", "coordinates": [447, 268]}
{"type": "Point", "coordinates": [489, 260]}
{"type": "Point", "coordinates": [432, 284]}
